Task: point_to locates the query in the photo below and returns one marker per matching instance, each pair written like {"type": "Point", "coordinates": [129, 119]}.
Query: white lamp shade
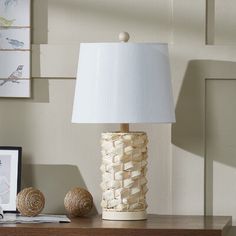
{"type": "Point", "coordinates": [123, 83]}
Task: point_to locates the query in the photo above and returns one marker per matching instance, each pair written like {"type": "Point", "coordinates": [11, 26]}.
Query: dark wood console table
{"type": "Point", "coordinates": [156, 225]}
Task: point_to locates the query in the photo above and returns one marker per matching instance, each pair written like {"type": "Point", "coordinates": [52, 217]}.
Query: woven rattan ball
{"type": "Point", "coordinates": [78, 202]}
{"type": "Point", "coordinates": [30, 202]}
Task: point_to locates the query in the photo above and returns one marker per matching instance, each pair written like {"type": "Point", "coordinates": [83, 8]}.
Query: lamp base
{"type": "Point", "coordinates": [111, 215]}
{"type": "Point", "coordinates": [124, 183]}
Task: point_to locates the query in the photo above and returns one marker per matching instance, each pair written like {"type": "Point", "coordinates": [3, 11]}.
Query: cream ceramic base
{"type": "Point", "coordinates": [111, 215]}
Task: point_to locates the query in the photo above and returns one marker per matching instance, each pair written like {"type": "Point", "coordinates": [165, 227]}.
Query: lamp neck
{"type": "Point", "coordinates": [124, 128]}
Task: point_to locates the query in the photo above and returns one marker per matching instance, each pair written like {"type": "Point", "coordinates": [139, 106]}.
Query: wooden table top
{"type": "Point", "coordinates": [158, 225]}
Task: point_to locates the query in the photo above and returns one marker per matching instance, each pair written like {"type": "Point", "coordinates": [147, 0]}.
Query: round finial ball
{"type": "Point", "coordinates": [30, 202]}
{"type": "Point", "coordinates": [124, 37]}
{"type": "Point", "coordinates": [78, 202]}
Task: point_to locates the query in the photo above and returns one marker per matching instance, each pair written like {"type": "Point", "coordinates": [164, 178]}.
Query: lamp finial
{"type": "Point", "coordinates": [124, 37]}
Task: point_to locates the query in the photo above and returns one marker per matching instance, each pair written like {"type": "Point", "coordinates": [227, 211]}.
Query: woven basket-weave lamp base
{"type": "Point", "coordinates": [124, 183]}
{"type": "Point", "coordinates": [111, 215]}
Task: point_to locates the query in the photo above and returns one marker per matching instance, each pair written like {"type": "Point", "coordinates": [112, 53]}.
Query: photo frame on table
{"type": "Point", "coordinates": [10, 176]}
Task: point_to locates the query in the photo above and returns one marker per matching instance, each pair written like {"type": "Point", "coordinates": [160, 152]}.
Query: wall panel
{"type": "Point", "coordinates": [221, 147]}
{"type": "Point", "coordinates": [225, 24]}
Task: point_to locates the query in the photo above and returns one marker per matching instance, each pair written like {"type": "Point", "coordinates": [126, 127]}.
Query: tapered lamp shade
{"type": "Point", "coordinates": [123, 83]}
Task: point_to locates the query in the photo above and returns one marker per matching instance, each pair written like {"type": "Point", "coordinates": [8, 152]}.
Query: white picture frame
{"type": "Point", "coordinates": [10, 173]}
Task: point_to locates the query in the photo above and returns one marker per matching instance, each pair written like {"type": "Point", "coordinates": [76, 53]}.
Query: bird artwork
{"type": "Point", "coordinates": [16, 44]}
{"type": "Point", "coordinates": [5, 22]}
{"type": "Point", "coordinates": [6, 4]}
{"type": "Point", "coordinates": [17, 74]}
{"type": "Point", "coordinates": [9, 3]}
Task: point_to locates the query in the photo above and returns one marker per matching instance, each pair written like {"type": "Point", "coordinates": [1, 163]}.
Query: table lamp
{"type": "Point", "coordinates": [123, 83]}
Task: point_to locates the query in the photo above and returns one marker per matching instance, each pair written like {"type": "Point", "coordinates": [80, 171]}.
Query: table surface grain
{"type": "Point", "coordinates": [158, 225]}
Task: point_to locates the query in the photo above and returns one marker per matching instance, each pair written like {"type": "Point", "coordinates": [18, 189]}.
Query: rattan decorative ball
{"type": "Point", "coordinates": [78, 202]}
{"type": "Point", "coordinates": [30, 202]}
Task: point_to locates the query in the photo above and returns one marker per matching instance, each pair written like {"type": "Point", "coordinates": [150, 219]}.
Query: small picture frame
{"type": "Point", "coordinates": [10, 176]}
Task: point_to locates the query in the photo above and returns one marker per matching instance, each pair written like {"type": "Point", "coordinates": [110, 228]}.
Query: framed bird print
{"type": "Point", "coordinates": [15, 48]}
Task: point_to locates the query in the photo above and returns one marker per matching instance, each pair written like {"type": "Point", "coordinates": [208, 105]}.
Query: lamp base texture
{"type": "Point", "coordinates": [112, 215]}
{"type": "Point", "coordinates": [124, 183]}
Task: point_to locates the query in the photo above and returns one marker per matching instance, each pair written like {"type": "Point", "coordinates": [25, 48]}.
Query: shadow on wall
{"type": "Point", "coordinates": [232, 232]}
{"type": "Point", "coordinates": [54, 181]}
{"type": "Point", "coordinates": [188, 131]}
{"type": "Point", "coordinates": [40, 90]}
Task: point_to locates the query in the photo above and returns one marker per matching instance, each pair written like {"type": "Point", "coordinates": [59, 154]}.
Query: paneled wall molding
{"type": "Point", "coordinates": [195, 57]}
{"type": "Point", "coordinates": [220, 145]}
{"type": "Point", "coordinates": [188, 134]}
